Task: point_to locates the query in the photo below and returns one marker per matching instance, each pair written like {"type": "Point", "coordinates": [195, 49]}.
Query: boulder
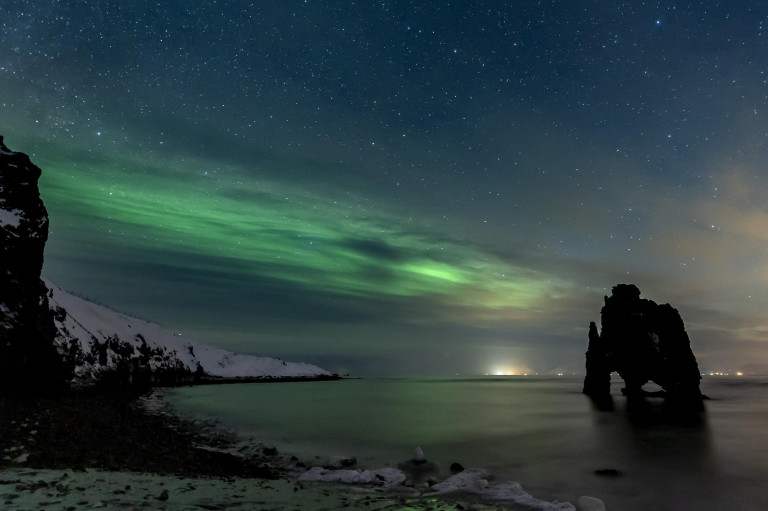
{"type": "Point", "coordinates": [418, 467]}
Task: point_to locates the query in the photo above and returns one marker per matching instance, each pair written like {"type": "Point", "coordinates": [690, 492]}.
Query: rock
{"type": "Point", "coordinates": [337, 462]}
{"type": "Point", "coordinates": [598, 379]}
{"type": "Point", "coordinates": [418, 467]}
{"type": "Point", "coordinates": [29, 360]}
{"type": "Point", "coordinates": [608, 472]}
{"type": "Point", "coordinates": [22, 458]}
{"type": "Point", "coordinates": [455, 468]}
{"type": "Point", "coordinates": [269, 451]}
{"type": "Point", "coordinates": [163, 495]}
{"type": "Point", "coordinates": [586, 503]}
{"type": "Point", "coordinates": [642, 341]}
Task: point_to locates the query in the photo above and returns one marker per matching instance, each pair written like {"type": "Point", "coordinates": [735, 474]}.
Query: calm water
{"type": "Point", "coordinates": [541, 432]}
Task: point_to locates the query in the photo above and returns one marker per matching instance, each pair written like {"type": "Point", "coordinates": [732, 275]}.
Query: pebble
{"type": "Point", "coordinates": [21, 458]}
{"type": "Point", "coordinates": [610, 472]}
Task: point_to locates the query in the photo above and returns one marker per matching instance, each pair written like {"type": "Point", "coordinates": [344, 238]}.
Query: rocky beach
{"type": "Point", "coordinates": [89, 449]}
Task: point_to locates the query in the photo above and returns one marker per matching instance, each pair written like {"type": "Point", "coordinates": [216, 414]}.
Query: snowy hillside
{"type": "Point", "coordinates": [97, 341]}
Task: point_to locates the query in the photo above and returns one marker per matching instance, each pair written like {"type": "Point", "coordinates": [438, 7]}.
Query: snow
{"type": "Point", "coordinates": [475, 481]}
{"type": "Point", "coordinates": [384, 477]}
{"type": "Point", "coordinates": [98, 489]}
{"type": "Point", "coordinates": [86, 322]}
{"type": "Point", "coordinates": [12, 218]}
{"type": "Point", "coordinates": [91, 488]}
{"type": "Point", "coordinates": [585, 503]}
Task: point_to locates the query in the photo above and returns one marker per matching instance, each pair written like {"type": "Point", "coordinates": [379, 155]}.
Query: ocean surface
{"type": "Point", "coordinates": [539, 431]}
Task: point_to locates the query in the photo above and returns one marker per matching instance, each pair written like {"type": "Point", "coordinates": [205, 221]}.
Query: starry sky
{"type": "Point", "coordinates": [399, 187]}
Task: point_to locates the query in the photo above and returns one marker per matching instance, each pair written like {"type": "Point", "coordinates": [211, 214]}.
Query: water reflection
{"type": "Point", "coordinates": [650, 454]}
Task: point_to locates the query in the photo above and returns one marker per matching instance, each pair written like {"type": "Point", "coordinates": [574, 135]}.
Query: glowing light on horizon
{"type": "Point", "coordinates": [510, 370]}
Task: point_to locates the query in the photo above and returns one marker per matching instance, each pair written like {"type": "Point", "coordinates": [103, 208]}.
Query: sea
{"type": "Point", "coordinates": [539, 431]}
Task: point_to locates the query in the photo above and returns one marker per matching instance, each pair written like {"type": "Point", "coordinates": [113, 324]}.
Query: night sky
{"type": "Point", "coordinates": [393, 187]}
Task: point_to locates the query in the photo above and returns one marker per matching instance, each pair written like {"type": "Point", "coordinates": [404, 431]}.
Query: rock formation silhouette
{"type": "Point", "coordinates": [29, 361]}
{"type": "Point", "coordinates": [642, 341]}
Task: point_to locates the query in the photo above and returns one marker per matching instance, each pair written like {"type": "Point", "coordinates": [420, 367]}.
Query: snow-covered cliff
{"type": "Point", "coordinates": [100, 343]}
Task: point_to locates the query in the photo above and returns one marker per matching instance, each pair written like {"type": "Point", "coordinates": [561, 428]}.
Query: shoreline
{"type": "Point", "coordinates": [223, 380]}
{"type": "Point", "coordinates": [93, 448]}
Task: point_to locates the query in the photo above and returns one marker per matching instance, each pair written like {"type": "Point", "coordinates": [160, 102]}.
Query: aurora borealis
{"type": "Point", "coordinates": [401, 187]}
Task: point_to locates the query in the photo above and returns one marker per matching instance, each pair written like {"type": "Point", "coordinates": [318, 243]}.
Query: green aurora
{"type": "Point", "coordinates": [287, 233]}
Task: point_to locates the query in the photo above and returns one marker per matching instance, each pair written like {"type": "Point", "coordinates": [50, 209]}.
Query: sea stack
{"type": "Point", "coordinates": [642, 341]}
{"type": "Point", "coordinates": [29, 361]}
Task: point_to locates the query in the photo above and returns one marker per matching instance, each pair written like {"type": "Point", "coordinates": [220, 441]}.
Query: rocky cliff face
{"type": "Point", "coordinates": [29, 360]}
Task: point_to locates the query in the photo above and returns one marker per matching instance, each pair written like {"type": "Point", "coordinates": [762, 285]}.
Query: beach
{"type": "Point", "coordinates": [24, 489]}
{"type": "Point", "coordinates": [90, 449]}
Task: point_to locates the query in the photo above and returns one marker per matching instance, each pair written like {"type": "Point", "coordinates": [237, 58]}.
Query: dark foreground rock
{"type": "Point", "coordinates": [642, 341]}
{"type": "Point", "coordinates": [29, 361]}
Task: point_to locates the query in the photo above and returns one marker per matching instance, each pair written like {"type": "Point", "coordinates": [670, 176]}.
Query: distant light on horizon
{"type": "Point", "coordinates": [510, 370]}
{"type": "Point", "coordinates": [726, 372]}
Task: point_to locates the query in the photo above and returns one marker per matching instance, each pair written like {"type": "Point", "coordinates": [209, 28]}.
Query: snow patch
{"type": "Point", "coordinates": [384, 477]}
{"type": "Point", "coordinates": [475, 481]}
{"type": "Point", "coordinates": [587, 503]}
{"type": "Point", "coordinates": [11, 218]}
